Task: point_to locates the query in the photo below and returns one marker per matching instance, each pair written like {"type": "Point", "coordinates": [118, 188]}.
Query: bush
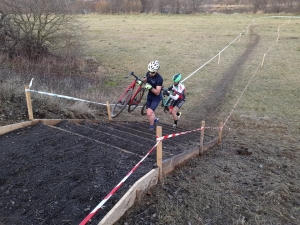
{"type": "Point", "coordinates": [36, 28]}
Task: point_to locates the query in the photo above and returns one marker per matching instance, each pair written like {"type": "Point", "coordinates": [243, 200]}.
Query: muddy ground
{"type": "Point", "coordinates": [251, 177]}
{"type": "Point", "coordinates": [58, 174]}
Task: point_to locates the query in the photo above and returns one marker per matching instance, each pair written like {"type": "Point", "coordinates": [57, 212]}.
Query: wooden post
{"type": "Point", "coordinates": [108, 110]}
{"type": "Point", "coordinates": [219, 58]}
{"type": "Point", "coordinates": [202, 137]}
{"type": "Point", "coordinates": [29, 104]}
{"type": "Point", "coordinates": [278, 34]}
{"type": "Point", "coordinates": [262, 63]}
{"type": "Point", "coordinates": [159, 152]}
{"type": "Point", "coordinates": [220, 132]}
{"type": "Point", "coordinates": [240, 37]}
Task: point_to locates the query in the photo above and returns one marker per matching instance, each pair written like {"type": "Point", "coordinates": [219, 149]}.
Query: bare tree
{"type": "Point", "coordinates": [195, 4]}
{"type": "Point", "coordinates": [33, 28]}
{"type": "Point", "coordinates": [259, 5]}
{"type": "Point", "coordinates": [175, 6]}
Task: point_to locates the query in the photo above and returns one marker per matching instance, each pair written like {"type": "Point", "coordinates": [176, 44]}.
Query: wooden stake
{"type": "Point", "coordinates": [29, 104]}
{"type": "Point", "coordinates": [278, 34]}
{"type": "Point", "coordinates": [48, 69]}
{"type": "Point", "coordinates": [202, 137]}
{"type": "Point", "coordinates": [262, 63]}
{"type": "Point", "coordinates": [240, 37]}
{"type": "Point", "coordinates": [159, 152]}
{"type": "Point", "coordinates": [220, 132]}
{"type": "Point", "coordinates": [219, 58]}
{"type": "Point", "coordinates": [108, 110]}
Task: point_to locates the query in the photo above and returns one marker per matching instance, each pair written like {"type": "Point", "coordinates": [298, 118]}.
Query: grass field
{"type": "Point", "coordinates": [183, 43]}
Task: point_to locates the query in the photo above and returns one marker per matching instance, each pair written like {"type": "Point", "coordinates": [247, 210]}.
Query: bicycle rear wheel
{"type": "Point", "coordinates": [143, 111]}
{"type": "Point", "coordinates": [136, 100]}
{"type": "Point", "coordinates": [121, 103]}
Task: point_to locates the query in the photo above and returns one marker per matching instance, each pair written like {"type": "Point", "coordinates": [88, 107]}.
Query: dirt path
{"type": "Point", "coordinates": [216, 100]}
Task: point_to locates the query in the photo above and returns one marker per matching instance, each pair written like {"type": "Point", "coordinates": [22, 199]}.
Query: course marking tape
{"type": "Point", "coordinates": [100, 205]}
{"type": "Point", "coordinates": [176, 134]}
{"type": "Point", "coordinates": [63, 96]}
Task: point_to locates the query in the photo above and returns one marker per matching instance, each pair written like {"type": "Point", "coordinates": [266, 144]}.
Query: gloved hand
{"type": "Point", "coordinates": [148, 86]}
{"type": "Point", "coordinates": [167, 93]}
{"type": "Point", "coordinates": [139, 82]}
{"type": "Point", "coordinates": [175, 97]}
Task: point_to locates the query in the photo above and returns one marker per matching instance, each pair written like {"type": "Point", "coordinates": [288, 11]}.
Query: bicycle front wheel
{"type": "Point", "coordinates": [121, 103]}
{"type": "Point", "coordinates": [136, 99]}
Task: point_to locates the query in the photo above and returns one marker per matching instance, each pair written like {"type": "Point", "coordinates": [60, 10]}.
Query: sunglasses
{"type": "Point", "coordinates": [152, 72]}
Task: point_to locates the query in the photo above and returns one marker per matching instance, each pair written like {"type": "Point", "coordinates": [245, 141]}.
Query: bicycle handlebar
{"type": "Point", "coordinates": [136, 77]}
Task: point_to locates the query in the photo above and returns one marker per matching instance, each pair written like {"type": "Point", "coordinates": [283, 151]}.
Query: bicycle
{"type": "Point", "coordinates": [165, 102]}
{"type": "Point", "coordinates": [132, 96]}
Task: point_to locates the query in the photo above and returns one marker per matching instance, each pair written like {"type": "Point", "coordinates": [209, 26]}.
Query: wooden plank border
{"type": "Point", "coordinates": [52, 122]}
{"type": "Point", "coordinates": [135, 192]}
{"type": "Point", "coordinates": [12, 127]}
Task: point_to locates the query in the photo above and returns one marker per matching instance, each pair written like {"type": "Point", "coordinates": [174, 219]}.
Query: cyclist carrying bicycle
{"type": "Point", "coordinates": [154, 82]}
{"type": "Point", "coordinates": [177, 93]}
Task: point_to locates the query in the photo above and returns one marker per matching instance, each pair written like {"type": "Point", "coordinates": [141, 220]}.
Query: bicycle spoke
{"type": "Point", "coordinates": [136, 99]}
{"type": "Point", "coordinates": [121, 103]}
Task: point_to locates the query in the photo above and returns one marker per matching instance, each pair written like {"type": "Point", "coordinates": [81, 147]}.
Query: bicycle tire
{"type": "Point", "coordinates": [143, 111]}
{"type": "Point", "coordinates": [136, 100]}
{"type": "Point", "coordinates": [121, 103]}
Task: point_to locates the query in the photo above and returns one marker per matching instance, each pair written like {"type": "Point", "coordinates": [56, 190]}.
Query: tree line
{"type": "Point", "coordinates": [184, 6]}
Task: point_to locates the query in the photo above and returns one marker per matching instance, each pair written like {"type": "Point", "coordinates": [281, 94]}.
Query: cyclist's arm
{"type": "Point", "coordinates": [178, 92]}
{"type": "Point", "coordinates": [156, 90]}
{"type": "Point", "coordinates": [170, 88]}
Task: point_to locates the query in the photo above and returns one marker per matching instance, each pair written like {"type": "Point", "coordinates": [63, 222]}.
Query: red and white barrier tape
{"type": "Point", "coordinates": [95, 210]}
{"type": "Point", "coordinates": [177, 134]}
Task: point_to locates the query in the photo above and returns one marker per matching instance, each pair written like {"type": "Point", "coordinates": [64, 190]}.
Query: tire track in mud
{"type": "Point", "coordinates": [213, 104]}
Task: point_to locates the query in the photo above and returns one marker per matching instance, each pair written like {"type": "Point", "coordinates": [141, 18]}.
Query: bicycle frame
{"type": "Point", "coordinates": [133, 99]}
{"type": "Point", "coordinates": [132, 96]}
{"type": "Point", "coordinates": [165, 101]}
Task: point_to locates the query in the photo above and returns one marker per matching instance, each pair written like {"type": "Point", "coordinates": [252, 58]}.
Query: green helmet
{"type": "Point", "coordinates": [176, 78]}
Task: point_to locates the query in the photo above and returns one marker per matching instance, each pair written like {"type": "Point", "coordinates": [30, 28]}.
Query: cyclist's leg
{"type": "Point", "coordinates": [175, 111]}
{"type": "Point", "coordinates": [172, 103]}
{"type": "Point", "coordinates": [179, 104]}
{"type": "Point", "coordinates": [151, 106]}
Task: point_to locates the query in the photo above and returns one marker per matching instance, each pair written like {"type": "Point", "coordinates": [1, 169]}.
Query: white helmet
{"type": "Point", "coordinates": [153, 66]}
